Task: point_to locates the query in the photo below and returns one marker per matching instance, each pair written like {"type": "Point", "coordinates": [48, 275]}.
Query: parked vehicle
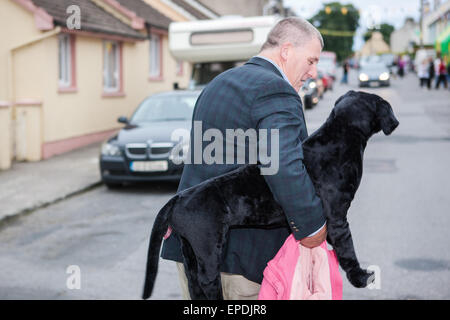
{"type": "Point", "coordinates": [389, 60]}
{"type": "Point", "coordinates": [327, 63]}
{"type": "Point", "coordinates": [216, 45]}
{"type": "Point", "coordinates": [374, 74]}
{"type": "Point", "coordinates": [309, 93]}
{"type": "Point", "coordinates": [142, 150]}
{"type": "Point", "coordinates": [320, 87]}
{"type": "Point", "coordinates": [326, 79]}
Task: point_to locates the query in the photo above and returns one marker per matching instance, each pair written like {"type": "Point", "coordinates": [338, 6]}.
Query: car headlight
{"type": "Point", "coordinates": [312, 85]}
{"type": "Point", "coordinates": [179, 152]}
{"type": "Point", "coordinates": [363, 77]}
{"type": "Point", "coordinates": [109, 149]}
{"type": "Point", "coordinates": [384, 76]}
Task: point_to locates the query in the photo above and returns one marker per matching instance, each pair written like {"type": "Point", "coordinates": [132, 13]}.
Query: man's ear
{"type": "Point", "coordinates": [285, 49]}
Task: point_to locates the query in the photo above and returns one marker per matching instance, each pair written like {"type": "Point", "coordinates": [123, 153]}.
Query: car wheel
{"type": "Point", "coordinates": [308, 103]}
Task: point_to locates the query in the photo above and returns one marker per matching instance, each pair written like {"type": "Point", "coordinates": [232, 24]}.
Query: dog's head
{"type": "Point", "coordinates": [368, 112]}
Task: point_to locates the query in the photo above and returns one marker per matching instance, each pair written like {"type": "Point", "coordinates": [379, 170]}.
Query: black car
{"type": "Point", "coordinates": [143, 149]}
{"type": "Point", "coordinates": [309, 93]}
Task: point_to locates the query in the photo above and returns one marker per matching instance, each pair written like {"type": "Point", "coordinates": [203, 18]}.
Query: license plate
{"type": "Point", "coordinates": [374, 84]}
{"type": "Point", "coordinates": [149, 166]}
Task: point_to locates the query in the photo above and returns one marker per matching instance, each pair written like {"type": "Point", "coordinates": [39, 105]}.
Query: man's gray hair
{"type": "Point", "coordinates": [296, 30]}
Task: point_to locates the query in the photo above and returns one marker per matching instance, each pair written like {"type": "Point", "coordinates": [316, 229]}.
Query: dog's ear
{"type": "Point", "coordinates": [388, 121]}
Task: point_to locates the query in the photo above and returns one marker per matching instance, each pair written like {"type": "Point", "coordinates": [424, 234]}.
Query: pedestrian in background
{"type": "Point", "coordinates": [345, 66]}
{"type": "Point", "coordinates": [448, 71]}
{"type": "Point", "coordinates": [423, 73]}
{"type": "Point", "coordinates": [401, 67]}
{"type": "Point", "coordinates": [442, 73]}
{"type": "Point", "coordinates": [431, 73]}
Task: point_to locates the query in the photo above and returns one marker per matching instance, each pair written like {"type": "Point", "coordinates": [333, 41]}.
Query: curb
{"type": "Point", "coordinates": [5, 221]}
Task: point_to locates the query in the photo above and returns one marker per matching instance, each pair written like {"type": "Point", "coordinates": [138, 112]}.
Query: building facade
{"type": "Point", "coordinates": [403, 39]}
{"type": "Point", "coordinates": [63, 85]}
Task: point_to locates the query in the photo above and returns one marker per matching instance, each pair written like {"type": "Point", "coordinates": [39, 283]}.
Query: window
{"type": "Point", "coordinates": [66, 68]}
{"type": "Point", "coordinates": [155, 56]}
{"type": "Point", "coordinates": [112, 67]}
{"type": "Point", "coordinates": [221, 37]}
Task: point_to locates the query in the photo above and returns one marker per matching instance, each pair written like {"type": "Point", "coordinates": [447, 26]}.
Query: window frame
{"type": "Point", "coordinates": [152, 75]}
{"type": "Point", "coordinates": [118, 69]}
{"type": "Point", "coordinates": [66, 73]}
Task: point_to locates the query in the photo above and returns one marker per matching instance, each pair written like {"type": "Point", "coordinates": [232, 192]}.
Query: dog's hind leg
{"type": "Point", "coordinates": [191, 270]}
{"type": "Point", "coordinates": [209, 272]}
{"type": "Point", "coordinates": [209, 267]}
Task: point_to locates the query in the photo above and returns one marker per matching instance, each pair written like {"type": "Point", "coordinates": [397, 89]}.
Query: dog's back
{"type": "Point", "coordinates": [249, 199]}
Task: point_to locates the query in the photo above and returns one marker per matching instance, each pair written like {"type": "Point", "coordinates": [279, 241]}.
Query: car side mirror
{"type": "Point", "coordinates": [122, 119]}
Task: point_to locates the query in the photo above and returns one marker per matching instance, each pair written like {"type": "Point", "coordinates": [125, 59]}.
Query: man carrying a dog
{"type": "Point", "coordinates": [262, 94]}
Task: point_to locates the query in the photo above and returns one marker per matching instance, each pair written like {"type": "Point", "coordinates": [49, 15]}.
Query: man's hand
{"type": "Point", "coordinates": [316, 240]}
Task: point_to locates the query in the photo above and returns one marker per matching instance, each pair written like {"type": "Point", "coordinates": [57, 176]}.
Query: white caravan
{"type": "Point", "coordinates": [213, 46]}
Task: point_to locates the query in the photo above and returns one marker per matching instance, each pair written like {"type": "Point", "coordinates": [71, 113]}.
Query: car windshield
{"type": "Point", "coordinates": [374, 66]}
{"type": "Point", "coordinates": [165, 108]}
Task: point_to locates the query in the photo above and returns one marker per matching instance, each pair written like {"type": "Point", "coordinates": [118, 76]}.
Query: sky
{"type": "Point", "coordinates": [372, 12]}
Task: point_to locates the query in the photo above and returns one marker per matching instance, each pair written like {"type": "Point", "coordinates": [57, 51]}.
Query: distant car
{"type": "Point", "coordinates": [327, 63]}
{"type": "Point", "coordinates": [142, 150]}
{"type": "Point", "coordinates": [389, 60]}
{"type": "Point", "coordinates": [374, 74]}
{"type": "Point", "coordinates": [326, 79]}
{"type": "Point", "coordinates": [309, 93]}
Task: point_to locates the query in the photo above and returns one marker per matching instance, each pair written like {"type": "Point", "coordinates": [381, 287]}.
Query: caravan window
{"type": "Point", "coordinates": [203, 73]}
{"type": "Point", "coordinates": [222, 37]}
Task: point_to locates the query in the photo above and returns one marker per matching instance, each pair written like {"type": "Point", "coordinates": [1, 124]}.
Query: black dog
{"type": "Point", "coordinates": [203, 214]}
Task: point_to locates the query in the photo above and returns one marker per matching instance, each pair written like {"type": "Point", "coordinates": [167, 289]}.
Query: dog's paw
{"type": "Point", "coordinates": [360, 278]}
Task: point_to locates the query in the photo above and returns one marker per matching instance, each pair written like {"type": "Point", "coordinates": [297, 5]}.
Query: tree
{"type": "Point", "coordinates": [385, 29]}
{"type": "Point", "coordinates": [338, 24]}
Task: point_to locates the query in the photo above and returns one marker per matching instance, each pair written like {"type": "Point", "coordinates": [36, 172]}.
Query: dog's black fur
{"type": "Point", "coordinates": [333, 155]}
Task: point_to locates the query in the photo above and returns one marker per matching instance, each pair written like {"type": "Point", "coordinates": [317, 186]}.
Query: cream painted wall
{"type": "Point", "coordinates": [16, 27]}
{"type": "Point", "coordinates": [73, 114]}
{"type": "Point", "coordinates": [87, 110]}
{"type": "Point", "coordinates": [29, 65]}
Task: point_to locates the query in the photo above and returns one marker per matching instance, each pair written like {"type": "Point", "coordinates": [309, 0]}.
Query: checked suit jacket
{"type": "Point", "coordinates": [255, 95]}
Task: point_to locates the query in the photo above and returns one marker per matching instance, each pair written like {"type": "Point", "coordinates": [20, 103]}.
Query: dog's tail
{"type": "Point", "coordinates": [159, 229]}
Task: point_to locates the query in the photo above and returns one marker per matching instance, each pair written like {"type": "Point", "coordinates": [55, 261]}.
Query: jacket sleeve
{"type": "Point", "coordinates": [278, 106]}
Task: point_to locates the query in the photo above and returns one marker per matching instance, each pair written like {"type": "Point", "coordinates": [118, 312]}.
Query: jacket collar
{"type": "Point", "coordinates": [265, 64]}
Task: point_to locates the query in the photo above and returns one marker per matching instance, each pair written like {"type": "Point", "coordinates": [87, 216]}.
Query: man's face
{"type": "Point", "coordinates": [300, 63]}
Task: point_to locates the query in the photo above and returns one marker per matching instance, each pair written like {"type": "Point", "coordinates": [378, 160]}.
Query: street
{"type": "Point", "coordinates": [399, 218]}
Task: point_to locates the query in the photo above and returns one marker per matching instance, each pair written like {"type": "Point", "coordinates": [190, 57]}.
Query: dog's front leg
{"type": "Point", "coordinates": [340, 237]}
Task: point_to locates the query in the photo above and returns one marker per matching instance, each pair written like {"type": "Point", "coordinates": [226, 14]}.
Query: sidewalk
{"type": "Point", "coordinates": [30, 185]}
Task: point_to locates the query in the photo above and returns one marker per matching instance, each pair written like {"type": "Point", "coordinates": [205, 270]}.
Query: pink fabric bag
{"type": "Point", "coordinates": [300, 273]}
